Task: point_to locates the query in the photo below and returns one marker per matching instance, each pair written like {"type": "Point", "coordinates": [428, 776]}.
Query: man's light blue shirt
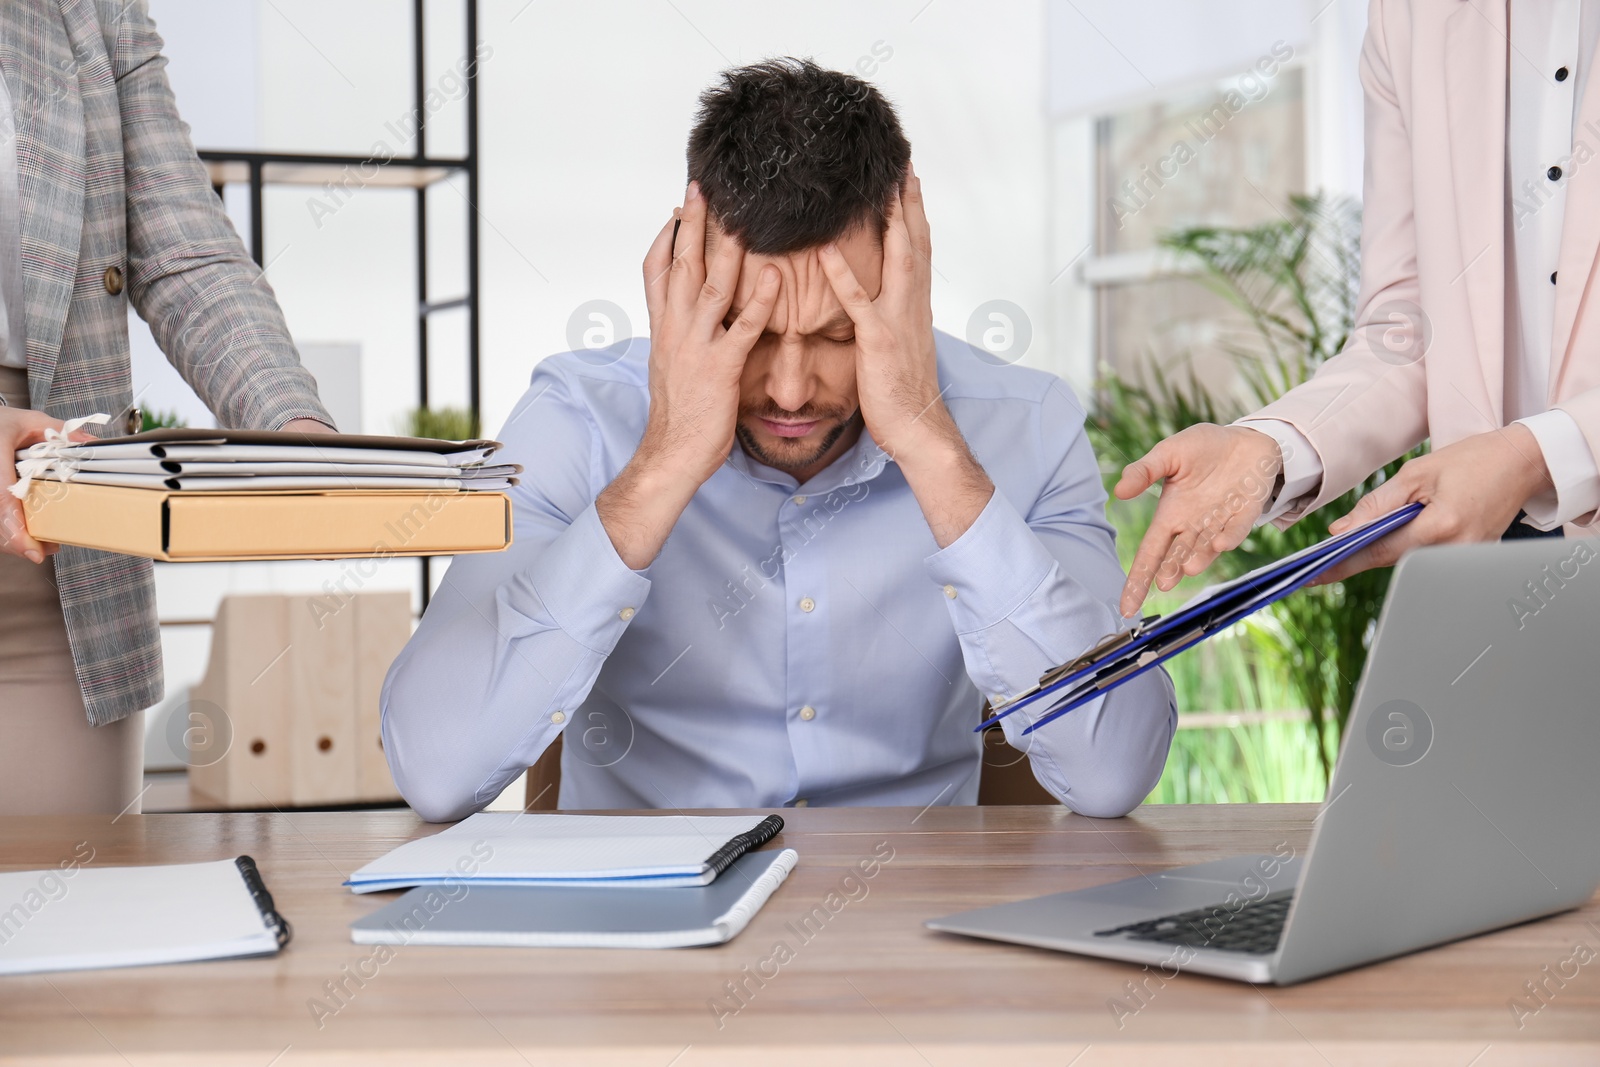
{"type": "Point", "coordinates": [792, 644]}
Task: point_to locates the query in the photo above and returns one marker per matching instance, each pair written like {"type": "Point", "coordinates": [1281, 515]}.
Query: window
{"type": "Point", "coordinates": [1227, 154]}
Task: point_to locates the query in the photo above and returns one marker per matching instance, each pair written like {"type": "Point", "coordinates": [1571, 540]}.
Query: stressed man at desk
{"type": "Point", "coordinates": [780, 554]}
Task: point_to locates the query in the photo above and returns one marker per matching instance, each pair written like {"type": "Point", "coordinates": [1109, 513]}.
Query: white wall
{"type": "Point", "coordinates": [1108, 54]}
{"type": "Point", "coordinates": [586, 108]}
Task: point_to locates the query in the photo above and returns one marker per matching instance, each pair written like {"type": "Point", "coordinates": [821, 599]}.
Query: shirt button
{"type": "Point", "coordinates": [1554, 174]}
{"type": "Point", "coordinates": [558, 717]}
{"type": "Point", "coordinates": [807, 604]}
{"type": "Point", "coordinates": [625, 614]}
{"type": "Point", "coordinates": [1553, 277]}
{"type": "Point", "coordinates": [950, 591]}
{"type": "Point", "coordinates": [808, 713]}
{"type": "Point", "coordinates": [1561, 74]}
{"type": "Point", "coordinates": [798, 499]}
{"type": "Point", "coordinates": [802, 802]}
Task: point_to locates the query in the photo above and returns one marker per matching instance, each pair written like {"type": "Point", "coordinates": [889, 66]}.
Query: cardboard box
{"type": "Point", "coordinates": [190, 526]}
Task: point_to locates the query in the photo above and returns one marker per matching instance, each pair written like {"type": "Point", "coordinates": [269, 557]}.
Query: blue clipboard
{"type": "Point", "coordinates": [1124, 656]}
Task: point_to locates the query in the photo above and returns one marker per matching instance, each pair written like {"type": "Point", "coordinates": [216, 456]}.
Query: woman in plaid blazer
{"type": "Point", "coordinates": [103, 203]}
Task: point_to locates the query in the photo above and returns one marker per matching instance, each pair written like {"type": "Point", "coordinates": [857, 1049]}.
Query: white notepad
{"type": "Point", "coordinates": [565, 916]}
{"type": "Point", "coordinates": [516, 848]}
{"type": "Point", "coordinates": [92, 917]}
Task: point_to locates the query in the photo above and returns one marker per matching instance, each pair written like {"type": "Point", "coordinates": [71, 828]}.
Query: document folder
{"type": "Point", "coordinates": [1156, 638]}
{"type": "Point", "coordinates": [206, 495]}
{"type": "Point", "coordinates": [555, 848]}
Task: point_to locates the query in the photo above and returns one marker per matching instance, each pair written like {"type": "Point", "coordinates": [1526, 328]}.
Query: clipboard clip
{"type": "Point", "coordinates": [1100, 651]}
{"type": "Point", "coordinates": [1104, 648]}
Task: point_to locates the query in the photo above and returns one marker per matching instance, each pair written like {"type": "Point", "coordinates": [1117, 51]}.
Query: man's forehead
{"type": "Point", "coordinates": [859, 238]}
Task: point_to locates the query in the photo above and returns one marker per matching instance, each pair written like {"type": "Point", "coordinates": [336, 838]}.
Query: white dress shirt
{"type": "Point", "coordinates": [1551, 57]}
{"type": "Point", "coordinates": [792, 644]}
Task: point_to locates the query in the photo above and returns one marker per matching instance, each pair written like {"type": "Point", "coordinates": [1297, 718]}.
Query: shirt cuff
{"type": "Point", "coordinates": [1302, 467]}
{"type": "Point", "coordinates": [1576, 480]}
{"type": "Point", "coordinates": [584, 585]}
{"type": "Point", "coordinates": [992, 569]}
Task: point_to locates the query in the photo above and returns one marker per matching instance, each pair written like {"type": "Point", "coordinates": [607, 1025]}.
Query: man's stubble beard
{"type": "Point", "coordinates": [754, 450]}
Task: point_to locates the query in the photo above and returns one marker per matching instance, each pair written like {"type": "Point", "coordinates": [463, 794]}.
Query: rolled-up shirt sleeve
{"type": "Point", "coordinates": [512, 642]}
{"type": "Point", "coordinates": [1028, 593]}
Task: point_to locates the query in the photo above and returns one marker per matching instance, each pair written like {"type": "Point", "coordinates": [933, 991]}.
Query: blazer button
{"type": "Point", "coordinates": [114, 280]}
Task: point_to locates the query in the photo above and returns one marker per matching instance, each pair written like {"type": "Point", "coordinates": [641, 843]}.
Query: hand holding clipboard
{"type": "Point", "coordinates": [1156, 638]}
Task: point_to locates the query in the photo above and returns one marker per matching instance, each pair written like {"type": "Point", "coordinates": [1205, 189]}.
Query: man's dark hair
{"type": "Point", "coordinates": [790, 156]}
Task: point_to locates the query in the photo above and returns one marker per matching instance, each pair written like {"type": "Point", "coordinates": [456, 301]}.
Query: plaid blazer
{"type": "Point", "coordinates": [116, 207]}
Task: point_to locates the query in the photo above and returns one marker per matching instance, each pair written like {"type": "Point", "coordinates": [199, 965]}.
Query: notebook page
{"type": "Point", "coordinates": [122, 916]}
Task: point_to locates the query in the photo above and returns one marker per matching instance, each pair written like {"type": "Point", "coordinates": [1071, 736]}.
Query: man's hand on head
{"type": "Point", "coordinates": [696, 363]}
{"type": "Point", "coordinates": [897, 373]}
{"type": "Point", "coordinates": [896, 367]}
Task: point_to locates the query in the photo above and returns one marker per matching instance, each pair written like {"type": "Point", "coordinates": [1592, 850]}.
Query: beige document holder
{"type": "Point", "coordinates": [179, 526]}
{"type": "Point", "coordinates": [294, 683]}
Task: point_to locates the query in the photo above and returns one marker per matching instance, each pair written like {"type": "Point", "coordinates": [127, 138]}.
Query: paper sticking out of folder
{"type": "Point", "coordinates": [1125, 655]}
{"type": "Point", "coordinates": [182, 494]}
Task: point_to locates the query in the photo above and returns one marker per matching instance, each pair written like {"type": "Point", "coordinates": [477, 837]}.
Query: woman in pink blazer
{"type": "Point", "coordinates": [1478, 324]}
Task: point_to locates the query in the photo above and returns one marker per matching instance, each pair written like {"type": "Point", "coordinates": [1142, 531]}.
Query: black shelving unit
{"type": "Point", "coordinates": [418, 171]}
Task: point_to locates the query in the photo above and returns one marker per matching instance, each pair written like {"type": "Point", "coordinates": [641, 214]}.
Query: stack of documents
{"type": "Point", "coordinates": [228, 494]}
{"type": "Point", "coordinates": [577, 881]}
{"type": "Point", "coordinates": [1128, 654]}
{"type": "Point", "coordinates": [565, 916]}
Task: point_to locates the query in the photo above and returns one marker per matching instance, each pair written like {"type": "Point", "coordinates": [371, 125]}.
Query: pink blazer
{"type": "Point", "coordinates": [1426, 357]}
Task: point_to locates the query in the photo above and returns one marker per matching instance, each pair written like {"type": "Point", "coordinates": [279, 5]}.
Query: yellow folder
{"type": "Point", "coordinates": [175, 525]}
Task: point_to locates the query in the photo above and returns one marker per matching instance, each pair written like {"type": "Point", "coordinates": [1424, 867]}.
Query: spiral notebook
{"type": "Point", "coordinates": [560, 916]}
{"type": "Point", "coordinates": [547, 848]}
{"type": "Point", "coordinates": [81, 918]}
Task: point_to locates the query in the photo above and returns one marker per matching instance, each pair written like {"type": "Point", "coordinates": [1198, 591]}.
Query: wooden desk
{"type": "Point", "coordinates": [870, 987]}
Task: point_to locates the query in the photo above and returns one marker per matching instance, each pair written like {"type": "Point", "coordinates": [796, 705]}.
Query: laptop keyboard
{"type": "Point", "coordinates": [1254, 928]}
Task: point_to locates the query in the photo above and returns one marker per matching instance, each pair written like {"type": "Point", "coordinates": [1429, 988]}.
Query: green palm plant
{"type": "Point", "coordinates": [1294, 280]}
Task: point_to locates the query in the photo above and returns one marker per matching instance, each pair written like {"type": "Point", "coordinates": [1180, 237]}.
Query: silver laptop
{"type": "Point", "coordinates": [1464, 798]}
